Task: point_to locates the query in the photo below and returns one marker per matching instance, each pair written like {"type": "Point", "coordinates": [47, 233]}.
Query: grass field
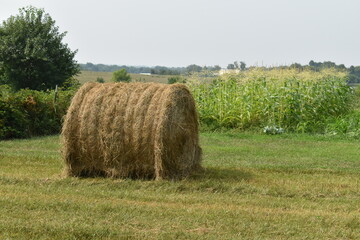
{"type": "Point", "coordinates": [253, 187]}
{"type": "Point", "coordinates": [90, 76]}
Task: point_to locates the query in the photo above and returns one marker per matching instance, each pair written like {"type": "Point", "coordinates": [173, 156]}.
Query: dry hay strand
{"type": "Point", "coordinates": [131, 130]}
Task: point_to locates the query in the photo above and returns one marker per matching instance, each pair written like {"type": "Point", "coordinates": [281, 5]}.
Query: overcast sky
{"type": "Point", "coordinates": [205, 32]}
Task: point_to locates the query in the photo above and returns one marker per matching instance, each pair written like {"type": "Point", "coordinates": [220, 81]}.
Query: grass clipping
{"type": "Point", "coordinates": [131, 130]}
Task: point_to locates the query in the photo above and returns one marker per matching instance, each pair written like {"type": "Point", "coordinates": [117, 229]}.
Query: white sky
{"type": "Point", "coordinates": [205, 32]}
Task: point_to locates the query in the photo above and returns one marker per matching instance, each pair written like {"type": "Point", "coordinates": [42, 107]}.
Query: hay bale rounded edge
{"type": "Point", "coordinates": [131, 130]}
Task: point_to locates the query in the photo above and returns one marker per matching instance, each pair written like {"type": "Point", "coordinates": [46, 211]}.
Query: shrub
{"type": "Point", "coordinates": [176, 79]}
{"type": "Point", "coordinates": [121, 76]}
{"type": "Point", "coordinates": [100, 80]}
{"type": "Point", "coordinates": [29, 113]}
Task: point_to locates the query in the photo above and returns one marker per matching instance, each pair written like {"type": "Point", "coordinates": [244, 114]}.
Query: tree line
{"type": "Point", "coordinates": [353, 71]}
{"type": "Point", "coordinates": [159, 70]}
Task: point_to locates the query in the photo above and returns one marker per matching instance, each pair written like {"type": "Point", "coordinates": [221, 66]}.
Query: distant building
{"type": "Point", "coordinates": [148, 74]}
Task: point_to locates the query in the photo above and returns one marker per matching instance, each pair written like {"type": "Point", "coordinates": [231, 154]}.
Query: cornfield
{"type": "Point", "coordinates": [295, 100]}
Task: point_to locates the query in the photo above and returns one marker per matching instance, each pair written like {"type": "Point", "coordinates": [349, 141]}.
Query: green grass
{"type": "Point", "coordinates": [90, 76]}
{"type": "Point", "coordinates": [253, 187]}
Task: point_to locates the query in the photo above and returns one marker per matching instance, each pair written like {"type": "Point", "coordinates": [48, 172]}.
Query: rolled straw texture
{"type": "Point", "coordinates": [131, 130]}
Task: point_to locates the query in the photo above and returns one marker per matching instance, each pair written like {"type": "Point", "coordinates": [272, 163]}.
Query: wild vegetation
{"type": "Point", "coordinates": [28, 113]}
{"type": "Point", "coordinates": [121, 76]}
{"type": "Point", "coordinates": [299, 101]}
{"type": "Point", "coordinates": [33, 63]}
{"type": "Point", "coordinates": [274, 100]}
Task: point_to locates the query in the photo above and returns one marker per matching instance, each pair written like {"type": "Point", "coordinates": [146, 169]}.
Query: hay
{"type": "Point", "coordinates": [135, 130]}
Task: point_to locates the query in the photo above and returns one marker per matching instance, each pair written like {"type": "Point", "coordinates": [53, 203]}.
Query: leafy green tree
{"type": "Point", "coordinates": [242, 66]}
{"type": "Point", "coordinates": [312, 63]}
{"type": "Point", "coordinates": [297, 66]}
{"type": "Point", "coordinates": [352, 69]}
{"type": "Point", "coordinates": [193, 68]}
{"type": "Point", "coordinates": [230, 66]}
{"type": "Point", "coordinates": [121, 76]}
{"type": "Point", "coordinates": [236, 65]}
{"type": "Point", "coordinates": [32, 54]}
{"type": "Point", "coordinates": [217, 68]}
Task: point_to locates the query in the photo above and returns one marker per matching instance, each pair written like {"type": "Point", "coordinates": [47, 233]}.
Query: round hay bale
{"type": "Point", "coordinates": [135, 130]}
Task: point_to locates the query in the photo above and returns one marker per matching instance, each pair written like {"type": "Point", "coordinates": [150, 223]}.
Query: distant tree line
{"type": "Point", "coordinates": [159, 70]}
{"type": "Point", "coordinates": [354, 71]}
{"type": "Point", "coordinates": [112, 68]}
{"type": "Point", "coordinates": [237, 65]}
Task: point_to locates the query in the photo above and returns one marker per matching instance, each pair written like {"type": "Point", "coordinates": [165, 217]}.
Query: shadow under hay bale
{"type": "Point", "coordinates": [131, 130]}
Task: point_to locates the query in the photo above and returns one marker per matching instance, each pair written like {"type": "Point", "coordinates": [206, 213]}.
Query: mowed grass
{"type": "Point", "coordinates": [90, 76]}
{"type": "Point", "coordinates": [253, 187]}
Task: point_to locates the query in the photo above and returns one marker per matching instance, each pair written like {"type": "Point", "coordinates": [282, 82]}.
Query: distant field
{"type": "Point", "coordinates": [90, 76]}
{"type": "Point", "coordinates": [253, 187]}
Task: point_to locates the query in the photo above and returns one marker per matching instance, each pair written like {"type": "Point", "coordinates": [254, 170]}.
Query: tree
{"type": "Point", "coordinates": [236, 65]}
{"type": "Point", "coordinates": [230, 66]}
{"type": "Point", "coordinates": [193, 68]}
{"type": "Point", "coordinates": [32, 54]}
{"type": "Point", "coordinates": [352, 69]}
{"type": "Point", "coordinates": [217, 68]}
{"type": "Point", "coordinates": [121, 76]}
{"type": "Point", "coordinates": [242, 66]}
{"type": "Point", "coordinates": [297, 66]}
{"type": "Point", "coordinates": [312, 63]}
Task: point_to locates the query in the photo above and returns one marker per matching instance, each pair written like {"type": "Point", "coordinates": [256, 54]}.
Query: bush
{"type": "Point", "coordinates": [100, 80]}
{"type": "Point", "coordinates": [176, 79]}
{"type": "Point", "coordinates": [29, 113]}
{"type": "Point", "coordinates": [121, 76]}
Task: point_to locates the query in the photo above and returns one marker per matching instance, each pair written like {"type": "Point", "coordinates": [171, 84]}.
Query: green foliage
{"type": "Point", "coordinates": [71, 84]}
{"type": "Point", "coordinates": [230, 66]}
{"type": "Point", "coordinates": [242, 66]}
{"type": "Point", "coordinates": [100, 80]}
{"type": "Point", "coordinates": [32, 54]}
{"type": "Point", "coordinates": [121, 76]}
{"type": "Point", "coordinates": [159, 70]}
{"type": "Point", "coordinates": [29, 113]}
{"type": "Point", "coordinates": [194, 68]}
{"type": "Point", "coordinates": [289, 99]}
{"type": "Point", "coordinates": [347, 125]}
{"type": "Point", "coordinates": [176, 79]}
